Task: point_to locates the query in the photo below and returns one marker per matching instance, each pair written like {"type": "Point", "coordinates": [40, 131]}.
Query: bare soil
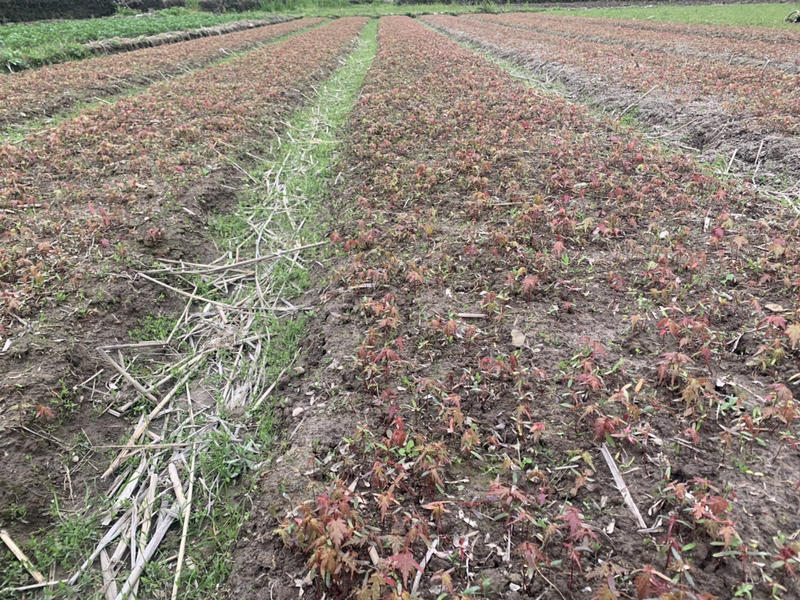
{"type": "Point", "coordinates": [44, 457]}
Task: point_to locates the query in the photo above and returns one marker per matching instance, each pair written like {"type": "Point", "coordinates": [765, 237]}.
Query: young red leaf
{"type": "Point", "coordinates": [405, 563]}
{"type": "Point", "coordinates": [338, 531]}
{"type": "Point", "coordinates": [45, 412]}
{"type": "Point", "coordinates": [793, 333]}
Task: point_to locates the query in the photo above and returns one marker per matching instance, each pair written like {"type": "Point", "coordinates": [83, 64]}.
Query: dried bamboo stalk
{"type": "Point", "coordinates": [623, 489]}
{"type": "Point", "coordinates": [21, 557]}
{"type": "Point", "coordinates": [186, 513]}
{"type": "Point", "coordinates": [166, 518]}
{"type": "Point", "coordinates": [109, 583]}
{"type": "Point", "coordinates": [146, 421]}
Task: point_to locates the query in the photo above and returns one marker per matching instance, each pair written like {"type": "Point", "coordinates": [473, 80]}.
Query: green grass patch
{"type": "Point", "coordinates": [26, 45]}
{"type": "Point", "coordinates": [153, 328]}
{"type": "Point", "coordinates": [744, 15]}
{"type": "Point", "coordinates": [62, 546]}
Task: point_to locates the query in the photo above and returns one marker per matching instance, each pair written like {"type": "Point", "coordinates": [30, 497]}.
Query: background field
{"type": "Point", "coordinates": [745, 15]}
{"type": "Point", "coordinates": [25, 45]}
{"type": "Point", "coordinates": [501, 305]}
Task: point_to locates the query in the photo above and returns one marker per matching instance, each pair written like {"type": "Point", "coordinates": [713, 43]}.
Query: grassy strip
{"type": "Point", "coordinates": [744, 15]}
{"type": "Point", "coordinates": [305, 162]}
{"type": "Point", "coordinates": [26, 45]}
{"type": "Point", "coordinates": [16, 132]}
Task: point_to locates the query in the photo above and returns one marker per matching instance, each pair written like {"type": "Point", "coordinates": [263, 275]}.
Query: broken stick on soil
{"type": "Point", "coordinates": [623, 489]}
{"type": "Point", "coordinates": [16, 551]}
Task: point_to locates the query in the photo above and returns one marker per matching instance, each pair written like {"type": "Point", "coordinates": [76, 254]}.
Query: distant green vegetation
{"type": "Point", "coordinates": [379, 9]}
{"type": "Point", "coordinates": [25, 45]}
{"type": "Point", "coordinates": [762, 15]}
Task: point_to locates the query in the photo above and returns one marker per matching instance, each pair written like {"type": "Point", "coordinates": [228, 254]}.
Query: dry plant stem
{"type": "Point", "coordinates": [266, 394]}
{"type": "Point", "coordinates": [623, 489]}
{"type": "Point", "coordinates": [550, 583]}
{"type": "Point", "coordinates": [153, 344]}
{"type": "Point", "coordinates": [181, 320]}
{"type": "Point", "coordinates": [730, 162]}
{"type": "Point", "coordinates": [143, 447]}
{"type": "Point", "coordinates": [49, 438]}
{"type": "Point", "coordinates": [33, 586]}
{"type": "Point", "coordinates": [165, 521]}
{"type": "Point", "coordinates": [211, 269]}
{"type": "Point", "coordinates": [147, 510]}
{"type": "Point", "coordinates": [186, 513]}
{"type": "Point", "coordinates": [144, 424]}
{"type": "Point", "coordinates": [137, 386]}
{"type": "Point", "coordinates": [423, 564]}
{"type": "Point", "coordinates": [187, 294]}
{"type": "Point", "coordinates": [176, 484]}
{"type": "Point", "coordinates": [128, 490]}
{"type": "Point", "coordinates": [214, 302]}
{"type": "Point", "coordinates": [636, 103]}
{"type": "Point", "coordinates": [109, 583]}
{"type": "Point", "coordinates": [21, 557]}
{"type": "Point", "coordinates": [107, 539]}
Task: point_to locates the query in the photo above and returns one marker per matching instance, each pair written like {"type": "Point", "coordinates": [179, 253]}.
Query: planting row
{"type": "Point", "coordinates": [530, 306]}
{"type": "Point", "coordinates": [43, 92]}
{"type": "Point", "coordinates": [769, 100]}
{"type": "Point", "coordinates": [715, 108]}
{"type": "Point", "coordinates": [781, 52]}
{"type": "Point", "coordinates": [100, 185]}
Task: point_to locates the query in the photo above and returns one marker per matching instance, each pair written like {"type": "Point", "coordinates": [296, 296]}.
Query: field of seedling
{"type": "Point", "coordinates": [481, 306]}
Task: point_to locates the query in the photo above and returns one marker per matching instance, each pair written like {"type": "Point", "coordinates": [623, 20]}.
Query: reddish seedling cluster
{"type": "Point", "coordinates": [523, 283]}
